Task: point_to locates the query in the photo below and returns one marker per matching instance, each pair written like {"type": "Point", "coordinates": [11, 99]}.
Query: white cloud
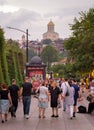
{"type": "Point", "coordinates": [8, 8]}
{"type": "Point", "coordinates": [45, 6]}
{"type": "Point", "coordinates": [35, 15]}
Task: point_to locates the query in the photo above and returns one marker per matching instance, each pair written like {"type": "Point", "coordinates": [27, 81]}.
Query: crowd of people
{"type": "Point", "coordinates": [67, 93]}
{"type": "Point", "coordinates": [62, 93]}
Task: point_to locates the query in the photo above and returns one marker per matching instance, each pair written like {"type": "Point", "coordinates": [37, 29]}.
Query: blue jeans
{"type": "Point", "coordinates": [26, 104]}
{"type": "Point", "coordinates": [64, 106]}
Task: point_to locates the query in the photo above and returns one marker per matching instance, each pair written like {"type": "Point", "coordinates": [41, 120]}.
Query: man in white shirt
{"type": "Point", "coordinates": [63, 87]}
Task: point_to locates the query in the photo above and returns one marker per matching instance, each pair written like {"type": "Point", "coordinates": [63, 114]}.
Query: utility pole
{"type": "Point", "coordinates": [26, 32]}
{"type": "Point", "coordinates": [26, 45]}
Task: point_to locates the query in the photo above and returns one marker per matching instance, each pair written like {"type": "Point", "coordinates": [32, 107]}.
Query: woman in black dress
{"type": "Point", "coordinates": [55, 95]}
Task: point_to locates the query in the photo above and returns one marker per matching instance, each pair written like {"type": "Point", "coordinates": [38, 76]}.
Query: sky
{"type": "Point", "coordinates": [34, 15]}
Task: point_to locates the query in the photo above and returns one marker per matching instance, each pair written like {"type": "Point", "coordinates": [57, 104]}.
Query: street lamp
{"type": "Point", "coordinates": [26, 39]}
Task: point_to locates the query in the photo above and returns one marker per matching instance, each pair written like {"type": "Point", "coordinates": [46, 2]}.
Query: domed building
{"type": "Point", "coordinates": [36, 68]}
{"type": "Point", "coordinates": [36, 60]}
{"type": "Point", "coordinates": [51, 34]}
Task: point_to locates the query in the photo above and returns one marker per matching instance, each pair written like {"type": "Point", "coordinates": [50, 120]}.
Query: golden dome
{"type": "Point", "coordinates": [50, 23]}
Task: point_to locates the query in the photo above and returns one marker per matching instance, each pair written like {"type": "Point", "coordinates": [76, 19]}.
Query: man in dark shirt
{"type": "Point", "coordinates": [76, 95]}
{"type": "Point", "coordinates": [25, 91]}
{"type": "Point", "coordinates": [14, 93]}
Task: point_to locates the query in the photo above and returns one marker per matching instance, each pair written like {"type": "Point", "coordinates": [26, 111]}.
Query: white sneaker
{"type": "Point", "coordinates": [27, 116]}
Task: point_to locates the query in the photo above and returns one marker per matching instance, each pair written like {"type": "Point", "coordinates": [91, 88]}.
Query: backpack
{"type": "Point", "coordinates": [81, 109]}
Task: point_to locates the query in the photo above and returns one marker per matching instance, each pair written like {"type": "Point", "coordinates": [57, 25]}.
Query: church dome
{"type": "Point", "coordinates": [36, 60]}
{"type": "Point", "coordinates": [50, 23]}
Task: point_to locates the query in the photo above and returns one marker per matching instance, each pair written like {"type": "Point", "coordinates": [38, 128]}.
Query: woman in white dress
{"type": "Point", "coordinates": [43, 99]}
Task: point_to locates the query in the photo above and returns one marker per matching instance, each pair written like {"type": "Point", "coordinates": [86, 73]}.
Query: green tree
{"type": "Point", "coordinates": [16, 61]}
{"type": "Point", "coordinates": [58, 70]}
{"type": "Point", "coordinates": [1, 74]}
{"type": "Point", "coordinates": [49, 55]}
{"type": "Point", "coordinates": [31, 53]}
{"type": "Point", "coordinates": [3, 60]}
{"type": "Point", "coordinates": [80, 45]}
{"type": "Point", "coordinates": [47, 41]}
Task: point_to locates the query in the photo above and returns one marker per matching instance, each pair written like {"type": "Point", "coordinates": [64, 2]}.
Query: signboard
{"type": "Point", "coordinates": [38, 74]}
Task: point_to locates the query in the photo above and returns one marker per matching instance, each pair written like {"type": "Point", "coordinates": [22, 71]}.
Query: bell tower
{"type": "Point", "coordinates": [50, 26]}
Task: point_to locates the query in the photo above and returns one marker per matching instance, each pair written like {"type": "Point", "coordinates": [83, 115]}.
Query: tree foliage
{"type": "Point", "coordinates": [31, 53]}
{"type": "Point", "coordinates": [47, 41]}
{"type": "Point", "coordinates": [3, 63]}
{"type": "Point", "coordinates": [80, 45]}
{"type": "Point", "coordinates": [49, 55]}
{"type": "Point", "coordinates": [16, 61]}
{"type": "Point", "coordinates": [12, 61]}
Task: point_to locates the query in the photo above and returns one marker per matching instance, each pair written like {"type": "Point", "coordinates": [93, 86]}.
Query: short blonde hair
{"type": "Point", "coordinates": [54, 84]}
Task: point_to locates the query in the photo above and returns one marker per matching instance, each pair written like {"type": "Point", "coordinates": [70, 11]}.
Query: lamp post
{"type": "Point", "coordinates": [26, 39]}
{"type": "Point", "coordinates": [26, 45]}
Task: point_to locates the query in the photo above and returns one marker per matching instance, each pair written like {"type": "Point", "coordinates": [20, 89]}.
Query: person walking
{"type": "Point", "coordinates": [5, 102]}
{"type": "Point", "coordinates": [68, 97]}
{"type": "Point", "coordinates": [55, 97]}
{"type": "Point", "coordinates": [63, 85]}
{"type": "Point", "coordinates": [25, 91]}
{"type": "Point", "coordinates": [14, 93]}
{"type": "Point", "coordinates": [43, 99]}
{"type": "Point", "coordinates": [76, 95]}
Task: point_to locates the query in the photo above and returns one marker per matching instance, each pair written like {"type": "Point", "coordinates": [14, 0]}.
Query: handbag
{"type": "Point", "coordinates": [82, 109]}
{"type": "Point", "coordinates": [89, 97]}
{"type": "Point", "coordinates": [11, 109]}
{"type": "Point", "coordinates": [67, 92]}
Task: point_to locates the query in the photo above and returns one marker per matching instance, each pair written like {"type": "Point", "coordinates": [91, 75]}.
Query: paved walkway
{"type": "Point", "coordinates": [81, 122]}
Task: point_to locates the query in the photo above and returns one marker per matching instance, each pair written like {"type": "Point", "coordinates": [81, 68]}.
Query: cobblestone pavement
{"type": "Point", "coordinates": [80, 122]}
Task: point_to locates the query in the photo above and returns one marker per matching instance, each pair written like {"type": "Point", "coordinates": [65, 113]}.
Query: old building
{"type": "Point", "coordinates": [51, 34]}
{"type": "Point", "coordinates": [37, 46]}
